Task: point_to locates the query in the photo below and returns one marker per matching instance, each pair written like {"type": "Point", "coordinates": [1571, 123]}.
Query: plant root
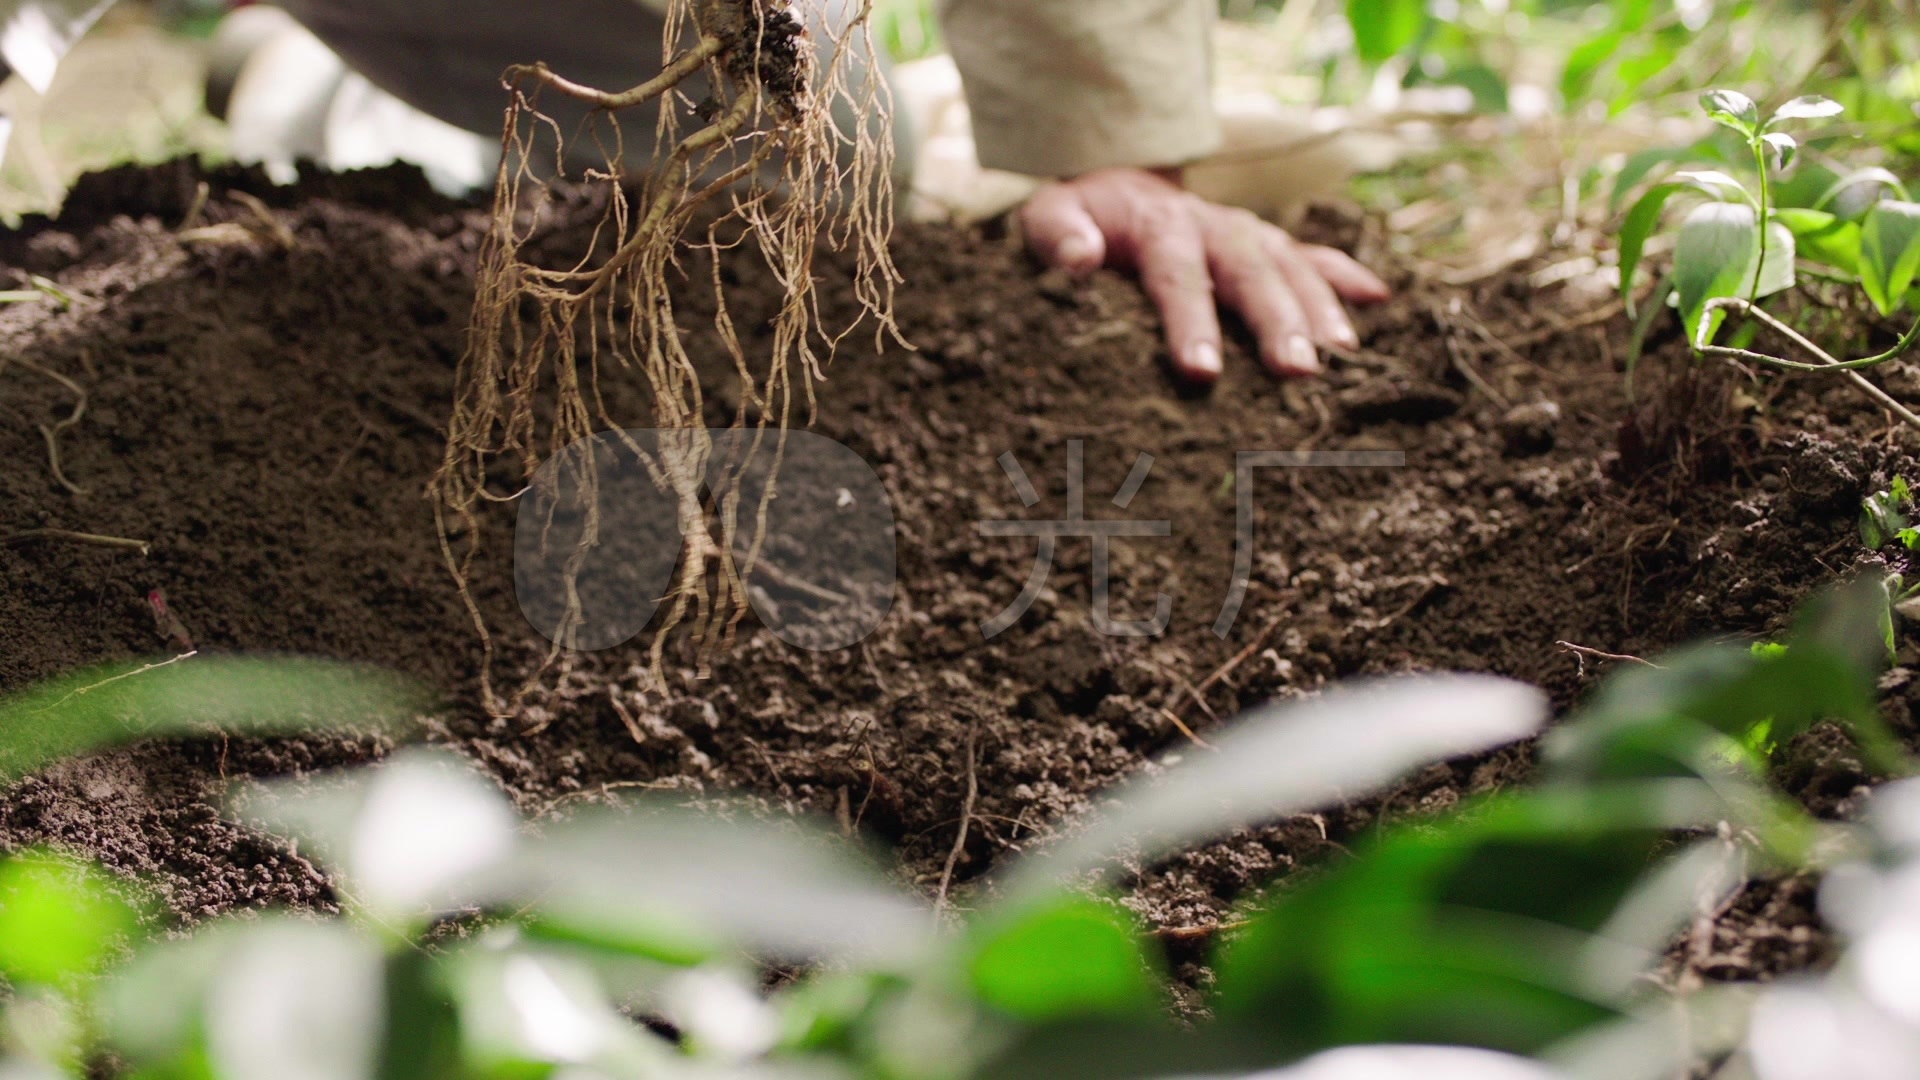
{"type": "Point", "coordinates": [966, 823]}
{"type": "Point", "coordinates": [51, 432]}
{"type": "Point", "coordinates": [767, 166]}
{"type": "Point", "coordinates": [1582, 653]}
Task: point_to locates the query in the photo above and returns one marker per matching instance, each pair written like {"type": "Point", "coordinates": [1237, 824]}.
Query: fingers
{"type": "Point", "coordinates": [1325, 315]}
{"type": "Point", "coordinates": [1344, 273]}
{"type": "Point", "coordinates": [1062, 232]}
{"type": "Point", "coordinates": [1185, 250]}
{"type": "Point", "coordinates": [1250, 281]}
{"type": "Point", "coordinates": [1171, 257]}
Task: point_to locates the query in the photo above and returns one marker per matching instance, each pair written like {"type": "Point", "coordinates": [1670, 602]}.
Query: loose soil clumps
{"type": "Point", "coordinates": [266, 409]}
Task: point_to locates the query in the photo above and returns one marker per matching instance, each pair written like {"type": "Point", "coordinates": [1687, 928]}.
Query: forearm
{"type": "Point", "coordinates": [1065, 87]}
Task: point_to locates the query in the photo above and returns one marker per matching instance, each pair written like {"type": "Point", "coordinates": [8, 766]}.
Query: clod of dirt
{"type": "Point", "coordinates": [1529, 429]}
{"type": "Point", "coordinates": [1398, 399]}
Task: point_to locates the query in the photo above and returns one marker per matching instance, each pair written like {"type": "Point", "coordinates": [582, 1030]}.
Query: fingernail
{"type": "Point", "coordinates": [1344, 336]}
{"type": "Point", "coordinates": [1204, 359]}
{"type": "Point", "coordinates": [1302, 356]}
{"type": "Point", "coordinates": [1076, 253]}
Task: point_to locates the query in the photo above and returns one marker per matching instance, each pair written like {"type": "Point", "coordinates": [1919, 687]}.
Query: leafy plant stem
{"type": "Point", "coordinates": [1765, 212]}
{"type": "Point", "coordinates": [1827, 361]}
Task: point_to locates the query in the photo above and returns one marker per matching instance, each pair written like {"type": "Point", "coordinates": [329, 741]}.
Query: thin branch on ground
{"type": "Point", "coordinates": [1827, 361]}
{"type": "Point", "coordinates": [1460, 362]}
{"type": "Point", "coordinates": [1253, 648]}
{"type": "Point", "coordinates": [1193, 737]}
{"type": "Point", "coordinates": [142, 546]}
{"type": "Point", "coordinates": [1602, 314]}
{"type": "Point", "coordinates": [1184, 934]}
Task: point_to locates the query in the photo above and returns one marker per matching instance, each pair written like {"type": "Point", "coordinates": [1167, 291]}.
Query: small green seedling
{"type": "Point", "coordinates": [1739, 247]}
{"type": "Point", "coordinates": [1884, 518]}
{"type": "Point", "coordinates": [1758, 739]}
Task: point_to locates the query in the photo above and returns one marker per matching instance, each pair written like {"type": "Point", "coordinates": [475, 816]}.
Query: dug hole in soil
{"type": "Point", "coordinates": [267, 416]}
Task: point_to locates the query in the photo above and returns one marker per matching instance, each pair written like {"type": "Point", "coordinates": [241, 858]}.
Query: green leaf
{"type": "Point", "coordinates": [420, 1039]}
{"type": "Point", "coordinates": [1807, 107]}
{"type": "Point", "coordinates": [522, 1012]}
{"type": "Point", "coordinates": [1871, 175]}
{"type": "Point", "coordinates": [283, 996]}
{"type": "Point", "coordinates": [196, 695]}
{"type": "Point", "coordinates": [826, 1010]}
{"type": "Point", "coordinates": [1716, 254]}
{"type": "Point", "coordinates": [1778, 272]}
{"type": "Point", "coordinates": [670, 884]}
{"type": "Point", "coordinates": [409, 837]}
{"type": "Point", "coordinates": [1823, 237]}
{"type": "Point", "coordinates": [1285, 758]}
{"type": "Point", "coordinates": [1382, 29]}
{"type": "Point", "coordinates": [1674, 719]}
{"type": "Point", "coordinates": [1640, 165]}
{"type": "Point", "coordinates": [1585, 61]}
{"type": "Point", "coordinates": [1644, 218]}
{"type": "Point", "coordinates": [60, 919]}
{"type": "Point", "coordinates": [1640, 224]}
{"type": "Point", "coordinates": [1802, 186]}
{"type": "Point", "coordinates": [1882, 516]}
{"type": "Point", "coordinates": [1732, 109]}
{"type": "Point", "coordinates": [1784, 148]}
{"type": "Point", "coordinates": [296, 998]}
{"type": "Point", "coordinates": [1497, 928]}
{"type": "Point", "coordinates": [1715, 183]}
{"type": "Point", "coordinates": [1488, 87]}
{"type": "Point", "coordinates": [26, 1068]}
{"type": "Point", "coordinates": [1889, 253]}
{"type": "Point", "coordinates": [1073, 956]}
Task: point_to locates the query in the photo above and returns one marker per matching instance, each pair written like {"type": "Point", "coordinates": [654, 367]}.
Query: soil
{"type": "Point", "coordinates": [265, 410]}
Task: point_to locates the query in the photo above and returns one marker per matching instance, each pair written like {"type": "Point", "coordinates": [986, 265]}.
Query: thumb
{"type": "Point", "coordinates": [1062, 232]}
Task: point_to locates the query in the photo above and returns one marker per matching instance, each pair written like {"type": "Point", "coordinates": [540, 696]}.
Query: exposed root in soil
{"type": "Point", "coordinates": [1586, 653]}
{"type": "Point", "coordinates": [50, 433]}
{"type": "Point", "coordinates": [770, 167]}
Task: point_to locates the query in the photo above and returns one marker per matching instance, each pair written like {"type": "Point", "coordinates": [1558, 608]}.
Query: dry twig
{"type": "Point", "coordinates": [142, 546]}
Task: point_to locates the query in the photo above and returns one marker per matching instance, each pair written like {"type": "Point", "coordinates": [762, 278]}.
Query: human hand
{"type": "Point", "coordinates": [1188, 252]}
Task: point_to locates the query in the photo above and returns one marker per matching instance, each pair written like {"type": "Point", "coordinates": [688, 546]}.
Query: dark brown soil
{"type": "Point", "coordinates": [268, 416]}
